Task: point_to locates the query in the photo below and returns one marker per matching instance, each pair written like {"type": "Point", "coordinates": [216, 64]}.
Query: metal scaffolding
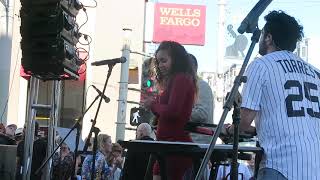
{"type": "Point", "coordinates": [32, 108]}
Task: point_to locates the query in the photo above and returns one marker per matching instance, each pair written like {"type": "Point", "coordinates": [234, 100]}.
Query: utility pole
{"type": "Point", "coordinates": [123, 87]}
{"type": "Point", "coordinates": [6, 32]}
{"type": "Point", "coordinates": [219, 62]}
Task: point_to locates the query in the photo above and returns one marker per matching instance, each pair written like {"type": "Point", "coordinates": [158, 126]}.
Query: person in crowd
{"type": "Point", "coordinates": [202, 111]}
{"type": "Point", "coordinates": [116, 155]}
{"type": "Point", "coordinates": [136, 162]}
{"type": "Point", "coordinates": [38, 155]}
{"type": "Point", "coordinates": [144, 132]}
{"type": "Point", "coordinates": [62, 163]}
{"type": "Point", "coordinates": [102, 170]}
{"type": "Point", "coordinates": [2, 129]}
{"type": "Point", "coordinates": [251, 165]}
{"type": "Point", "coordinates": [115, 161]}
{"type": "Point", "coordinates": [177, 82]}
{"type": "Point", "coordinates": [18, 137]}
{"type": "Point", "coordinates": [77, 170]}
{"type": "Point", "coordinates": [9, 138]}
{"type": "Point", "coordinates": [282, 96]}
{"type": "Point", "coordinates": [225, 170]}
{"type": "Point", "coordinates": [10, 130]}
{"type": "Point", "coordinates": [4, 138]}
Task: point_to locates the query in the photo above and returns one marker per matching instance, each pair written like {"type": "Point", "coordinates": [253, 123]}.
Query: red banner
{"type": "Point", "coordinates": [179, 22]}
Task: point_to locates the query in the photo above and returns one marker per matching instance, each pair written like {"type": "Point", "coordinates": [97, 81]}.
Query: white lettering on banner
{"type": "Point", "coordinates": [180, 17]}
{"type": "Point", "coordinates": [177, 21]}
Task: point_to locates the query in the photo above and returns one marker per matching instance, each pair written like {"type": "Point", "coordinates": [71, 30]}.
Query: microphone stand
{"type": "Point", "coordinates": [229, 102]}
{"type": "Point", "coordinates": [94, 129]}
{"type": "Point", "coordinates": [76, 125]}
{"type": "Point", "coordinates": [236, 121]}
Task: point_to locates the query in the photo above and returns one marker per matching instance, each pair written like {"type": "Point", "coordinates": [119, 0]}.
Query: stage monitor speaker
{"type": "Point", "coordinates": [49, 37]}
{"type": "Point", "coordinates": [8, 162]}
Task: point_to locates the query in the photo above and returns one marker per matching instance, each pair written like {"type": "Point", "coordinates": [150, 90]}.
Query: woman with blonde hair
{"type": "Point", "coordinates": [102, 170]}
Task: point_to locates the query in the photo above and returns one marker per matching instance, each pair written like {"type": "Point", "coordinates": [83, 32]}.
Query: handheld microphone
{"type": "Point", "coordinates": [109, 61]}
{"type": "Point", "coordinates": [251, 20]}
{"type": "Point", "coordinates": [106, 99]}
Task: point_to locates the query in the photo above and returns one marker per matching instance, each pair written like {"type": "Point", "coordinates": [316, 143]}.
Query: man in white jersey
{"type": "Point", "coordinates": [282, 96]}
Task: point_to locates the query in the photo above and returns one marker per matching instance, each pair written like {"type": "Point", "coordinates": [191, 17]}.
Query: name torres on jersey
{"type": "Point", "coordinates": [293, 66]}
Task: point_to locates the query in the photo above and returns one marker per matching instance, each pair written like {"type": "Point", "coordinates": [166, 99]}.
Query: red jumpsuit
{"type": "Point", "coordinates": [173, 111]}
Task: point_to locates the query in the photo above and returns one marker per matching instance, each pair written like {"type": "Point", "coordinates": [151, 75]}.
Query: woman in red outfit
{"type": "Point", "coordinates": [177, 82]}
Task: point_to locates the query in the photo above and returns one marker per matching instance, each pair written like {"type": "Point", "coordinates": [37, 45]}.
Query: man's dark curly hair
{"type": "Point", "coordinates": [284, 29]}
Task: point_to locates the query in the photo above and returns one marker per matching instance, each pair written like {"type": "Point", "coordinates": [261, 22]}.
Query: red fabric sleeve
{"type": "Point", "coordinates": [181, 88]}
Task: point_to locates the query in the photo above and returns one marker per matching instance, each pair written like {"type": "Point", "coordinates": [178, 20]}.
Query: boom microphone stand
{"type": "Point", "coordinates": [249, 25]}
{"type": "Point", "coordinates": [94, 129]}
{"type": "Point", "coordinates": [228, 105]}
{"type": "Point", "coordinates": [236, 121]}
{"type": "Point", "coordinates": [76, 125]}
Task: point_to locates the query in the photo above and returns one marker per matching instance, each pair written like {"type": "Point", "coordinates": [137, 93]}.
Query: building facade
{"type": "Point", "coordinates": [105, 26]}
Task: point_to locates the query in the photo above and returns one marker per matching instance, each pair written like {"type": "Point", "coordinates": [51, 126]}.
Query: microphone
{"type": "Point", "coordinates": [251, 20]}
{"type": "Point", "coordinates": [106, 99]}
{"type": "Point", "coordinates": [132, 129]}
{"type": "Point", "coordinates": [109, 61]}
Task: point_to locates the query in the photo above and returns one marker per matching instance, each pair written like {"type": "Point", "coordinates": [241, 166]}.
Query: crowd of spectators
{"type": "Point", "coordinates": [108, 165]}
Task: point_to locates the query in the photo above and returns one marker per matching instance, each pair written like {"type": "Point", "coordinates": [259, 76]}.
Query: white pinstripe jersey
{"type": "Point", "coordinates": [285, 91]}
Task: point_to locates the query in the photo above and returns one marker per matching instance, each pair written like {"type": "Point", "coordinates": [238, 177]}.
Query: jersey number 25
{"type": "Point", "coordinates": [299, 97]}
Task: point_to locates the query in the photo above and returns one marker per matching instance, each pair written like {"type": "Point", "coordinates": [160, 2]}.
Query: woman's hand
{"type": "Point", "coordinates": [118, 162]}
{"type": "Point", "coordinates": [227, 129]}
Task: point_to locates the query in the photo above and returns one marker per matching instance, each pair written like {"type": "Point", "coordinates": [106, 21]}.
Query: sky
{"type": "Point", "coordinates": [304, 11]}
